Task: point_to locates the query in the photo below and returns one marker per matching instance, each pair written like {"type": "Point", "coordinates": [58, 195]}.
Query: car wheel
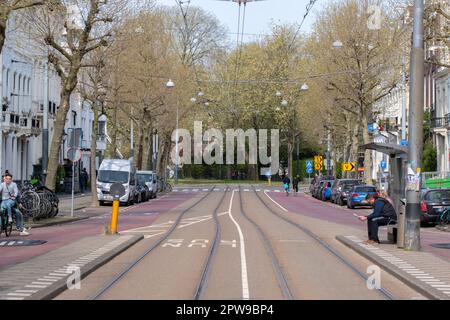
{"type": "Point", "coordinates": [339, 201]}
{"type": "Point", "coordinates": [101, 203]}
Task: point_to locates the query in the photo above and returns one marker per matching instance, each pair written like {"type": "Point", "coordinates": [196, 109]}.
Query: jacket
{"type": "Point", "coordinates": [383, 208]}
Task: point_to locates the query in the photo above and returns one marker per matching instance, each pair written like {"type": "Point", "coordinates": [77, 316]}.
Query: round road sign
{"type": "Point", "coordinates": [74, 154]}
{"type": "Point", "coordinates": [117, 190]}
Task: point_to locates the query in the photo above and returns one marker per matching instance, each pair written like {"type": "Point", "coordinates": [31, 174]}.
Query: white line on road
{"type": "Point", "coordinates": [245, 288]}
{"type": "Point", "coordinates": [279, 205]}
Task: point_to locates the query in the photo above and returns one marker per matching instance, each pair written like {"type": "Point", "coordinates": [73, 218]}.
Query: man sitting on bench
{"type": "Point", "coordinates": [383, 214]}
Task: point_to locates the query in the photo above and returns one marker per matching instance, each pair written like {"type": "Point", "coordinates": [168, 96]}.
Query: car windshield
{"type": "Point", "coordinates": [347, 185]}
{"type": "Point", "coordinates": [365, 189]}
{"type": "Point", "coordinates": [108, 176]}
{"type": "Point", "coordinates": [438, 195]}
{"type": "Point", "coordinates": [143, 178]}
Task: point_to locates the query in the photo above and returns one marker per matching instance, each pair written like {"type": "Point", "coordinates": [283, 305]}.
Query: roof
{"type": "Point", "coordinates": [386, 148]}
{"type": "Point", "coordinates": [116, 165]}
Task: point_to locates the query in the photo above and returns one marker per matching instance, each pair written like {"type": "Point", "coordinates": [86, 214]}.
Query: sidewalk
{"type": "Point", "coordinates": [423, 271]}
{"type": "Point", "coordinates": [47, 275]}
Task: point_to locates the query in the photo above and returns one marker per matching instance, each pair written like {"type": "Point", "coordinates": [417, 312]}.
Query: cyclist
{"type": "Point", "coordinates": [10, 192]}
{"type": "Point", "coordinates": [286, 183]}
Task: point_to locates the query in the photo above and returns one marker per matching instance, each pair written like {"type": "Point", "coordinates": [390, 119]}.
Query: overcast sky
{"type": "Point", "coordinates": [259, 15]}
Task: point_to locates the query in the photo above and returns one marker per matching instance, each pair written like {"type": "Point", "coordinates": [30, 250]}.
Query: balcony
{"type": "Point", "coordinates": [440, 122]}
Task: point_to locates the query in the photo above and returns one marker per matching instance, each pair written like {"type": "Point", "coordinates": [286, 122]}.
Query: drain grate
{"type": "Point", "coordinates": [21, 243]}
{"type": "Point", "coordinates": [441, 245]}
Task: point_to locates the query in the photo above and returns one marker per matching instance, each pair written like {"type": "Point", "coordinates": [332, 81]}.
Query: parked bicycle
{"type": "Point", "coordinates": [37, 201]}
{"type": "Point", "coordinates": [444, 217]}
{"type": "Point", "coordinates": [164, 185]}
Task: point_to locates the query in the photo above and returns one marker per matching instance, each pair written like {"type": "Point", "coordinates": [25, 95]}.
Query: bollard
{"type": "Point", "coordinates": [270, 181]}
{"type": "Point", "coordinates": [114, 216]}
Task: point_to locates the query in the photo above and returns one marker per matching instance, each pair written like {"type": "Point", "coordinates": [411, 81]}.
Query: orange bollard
{"type": "Point", "coordinates": [114, 216]}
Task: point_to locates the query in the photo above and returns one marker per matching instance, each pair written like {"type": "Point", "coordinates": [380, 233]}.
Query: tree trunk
{"type": "Point", "coordinates": [146, 150]}
{"type": "Point", "coordinates": [94, 198]}
{"type": "Point", "coordinates": [291, 144]}
{"type": "Point", "coordinates": [114, 137]}
{"type": "Point", "coordinates": [3, 23]}
{"type": "Point", "coordinates": [53, 159]}
{"type": "Point", "coordinates": [355, 144]}
{"type": "Point", "coordinates": [140, 146]}
{"type": "Point", "coordinates": [367, 153]}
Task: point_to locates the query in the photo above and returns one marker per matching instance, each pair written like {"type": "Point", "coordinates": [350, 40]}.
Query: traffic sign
{"type": "Point", "coordinates": [361, 169]}
{"type": "Point", "coordinates": [318, 163]}
{"type": "Point", "coordinates": [309, 170]}
{"type": "Point", "coordinates": [74, 154]}
{"type": "Point", "coordinates": [383, 165]}
{"type": "Point", "coordinates": [309, 164]}
{"type": "Point", "coordinates": [349, 166]}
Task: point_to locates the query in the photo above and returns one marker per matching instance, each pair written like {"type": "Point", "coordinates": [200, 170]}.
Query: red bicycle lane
{"type": "Point", "coordinates": [311, 207]}
{"type": "Point", "coordinates": [58, 236]}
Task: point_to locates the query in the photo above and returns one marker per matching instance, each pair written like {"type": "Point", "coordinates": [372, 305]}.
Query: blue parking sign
{"type": "Point", "coordinates": [309, 164]}
{"type": "Point", "coordinates": [309, 170]}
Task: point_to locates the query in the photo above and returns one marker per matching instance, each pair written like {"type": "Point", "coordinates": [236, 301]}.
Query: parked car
{"type": "Point", "coordinates": [326, 191]}
{"type": "Point", "coordinates": [317, 187]}
{"type": "Point", "coordinates": [434, 202]}
{"type": "Point", "coordinates": [116, 171]}
{"type": "Point", "coordinates": [150, 179]}
{"type": "Point", "coordinates": [341, 188]}
{"type": "Point", "coordinates": [358, 195]}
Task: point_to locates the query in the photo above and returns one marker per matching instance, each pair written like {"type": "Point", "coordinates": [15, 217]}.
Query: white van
{"type": "Point", "coordinates": [151, 181]}
{"type": "Point", "coordinates": [116, 171]}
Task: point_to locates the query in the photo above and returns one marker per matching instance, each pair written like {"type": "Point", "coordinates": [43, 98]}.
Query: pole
{"type": "Point", "coordinates": [415, 145]}
{"type": "Point", "coordinates": [298, 154]}
{"type": "Point", "coordinates": [45, 124]}
{"type": "Point", "coordinates": [114, 216]}
{"type": "Point", "coordinates": [176, 150]}
{"type": "Point", "coordinates": [329, 154]}
{"type": "Point", "coordinates": [73, 174]}
{"type": "Point", "coordinates": [404, 100]}
{"type": "Point", "coordinates": [132, 140]}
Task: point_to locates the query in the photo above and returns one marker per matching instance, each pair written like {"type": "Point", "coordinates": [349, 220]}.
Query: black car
{"type": "Point", "coordinates": [341, 189]}
{"type": "Point", "coordinates": [317, 187]}
{"type": "Point", "coordinates": [433, 203]}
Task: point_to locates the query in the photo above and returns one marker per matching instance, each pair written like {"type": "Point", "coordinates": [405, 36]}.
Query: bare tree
{"type": "Point", "coordinates": [7, 7]}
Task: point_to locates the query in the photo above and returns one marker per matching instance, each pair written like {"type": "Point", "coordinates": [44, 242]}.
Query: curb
{"type": "Point", "coordinates": [61, 285]}
{"type": "Point", "coordinates": [55, 223]}
{"type": "Point", "coordinates": [409, 280]}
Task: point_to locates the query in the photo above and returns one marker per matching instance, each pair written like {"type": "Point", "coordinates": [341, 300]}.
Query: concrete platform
{"type": "Point", "coordinates": [47, 275]}
{"type": "Point", "coordinates": [422, 271]}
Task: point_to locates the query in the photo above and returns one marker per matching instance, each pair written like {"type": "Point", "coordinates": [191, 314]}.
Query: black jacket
{"type": "Point", "coordinates": [383, 208]}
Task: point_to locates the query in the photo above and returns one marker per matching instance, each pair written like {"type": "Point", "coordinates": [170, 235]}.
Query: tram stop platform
{"type": "Point", "coordinates": [421, 270]}
{"type": "Point", "coordinates": [47, 275]}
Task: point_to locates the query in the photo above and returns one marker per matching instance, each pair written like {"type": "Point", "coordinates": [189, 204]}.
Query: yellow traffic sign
{"type": "Point", "coordinates": [318, 163]}
{"type": "Point", "coordinates": [349, 166]}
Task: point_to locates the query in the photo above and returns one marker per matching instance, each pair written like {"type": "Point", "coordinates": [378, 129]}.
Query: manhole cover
{"type": "Point", "coordinates": [21, 243]}
{"type": "Point", "coordinates": [441, 245]}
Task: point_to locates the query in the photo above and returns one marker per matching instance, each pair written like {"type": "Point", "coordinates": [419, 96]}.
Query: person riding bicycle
{"type": "Point", "coordinates": [10, 193]}
{"type": "Point", "coordinates": [286, 184]}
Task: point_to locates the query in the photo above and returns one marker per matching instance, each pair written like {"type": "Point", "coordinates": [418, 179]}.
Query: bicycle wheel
{"type": "Point", "coordinates": [169, 187]}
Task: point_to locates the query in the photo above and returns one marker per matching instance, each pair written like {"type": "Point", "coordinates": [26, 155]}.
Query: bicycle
{"type": "Point", "coordinates": [444, 217]}
{"type": "Point", "coordinates": [6, 226]}
{"type": "Point", "coordinates": [163, 185]}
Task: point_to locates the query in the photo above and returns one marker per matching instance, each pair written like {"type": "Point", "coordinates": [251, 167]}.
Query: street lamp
{"type": "Point", "coordinates": [284, 103]}
{"type": "Point", "coordinates": [193, 100]}
{"type": "Point", "coordinates": [171, 85]}
{"type": "Point", "coordinates": [304, 87]}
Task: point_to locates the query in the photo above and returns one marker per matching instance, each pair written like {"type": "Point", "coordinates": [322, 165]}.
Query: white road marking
{"type": "Point", "coordinates": [244, 276]}
{"type": "Point", "coordinates": [282, 208]}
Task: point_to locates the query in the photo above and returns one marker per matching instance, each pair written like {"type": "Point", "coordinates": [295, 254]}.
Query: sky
{"type": "Point", "coordinates": [259, 15]}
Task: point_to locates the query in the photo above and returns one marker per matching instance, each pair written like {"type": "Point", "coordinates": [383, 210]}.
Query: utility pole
{"type": "Point", "coordinates": [415, 145]}
{"type": "Point", "coordinates": [329, 153]}
{"type": "Point", "coordinates": [45, 137]}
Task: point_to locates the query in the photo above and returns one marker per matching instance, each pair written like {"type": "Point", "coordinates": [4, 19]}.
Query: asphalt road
{"type": "Point", "coordinates": [259, 255]}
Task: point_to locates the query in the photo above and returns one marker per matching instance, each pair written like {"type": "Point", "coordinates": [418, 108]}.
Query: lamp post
{"type": "Point", "coordinates": [171, 85]}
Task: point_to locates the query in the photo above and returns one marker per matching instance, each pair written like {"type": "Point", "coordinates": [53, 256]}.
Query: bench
{"type": "Point", "coordinates": [392, 233]}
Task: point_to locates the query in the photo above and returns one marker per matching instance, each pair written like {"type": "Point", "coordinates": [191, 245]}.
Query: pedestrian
{"type": "Point", "coordinates": [84, 178]}
{"type": "Point", "coordinates": [295, 184]}
{"type": "Point", "coordinates": [10, 194]}
{"type": "Point", "coordinates": [383, 214]}
{"type": "Point", "coordinates": [286, 184]}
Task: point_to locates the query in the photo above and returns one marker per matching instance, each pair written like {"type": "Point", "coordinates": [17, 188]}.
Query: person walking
{"type": "Point", "coordinates": [295, 184]}
{"type": "Point", "coordinates": [84, 178]}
